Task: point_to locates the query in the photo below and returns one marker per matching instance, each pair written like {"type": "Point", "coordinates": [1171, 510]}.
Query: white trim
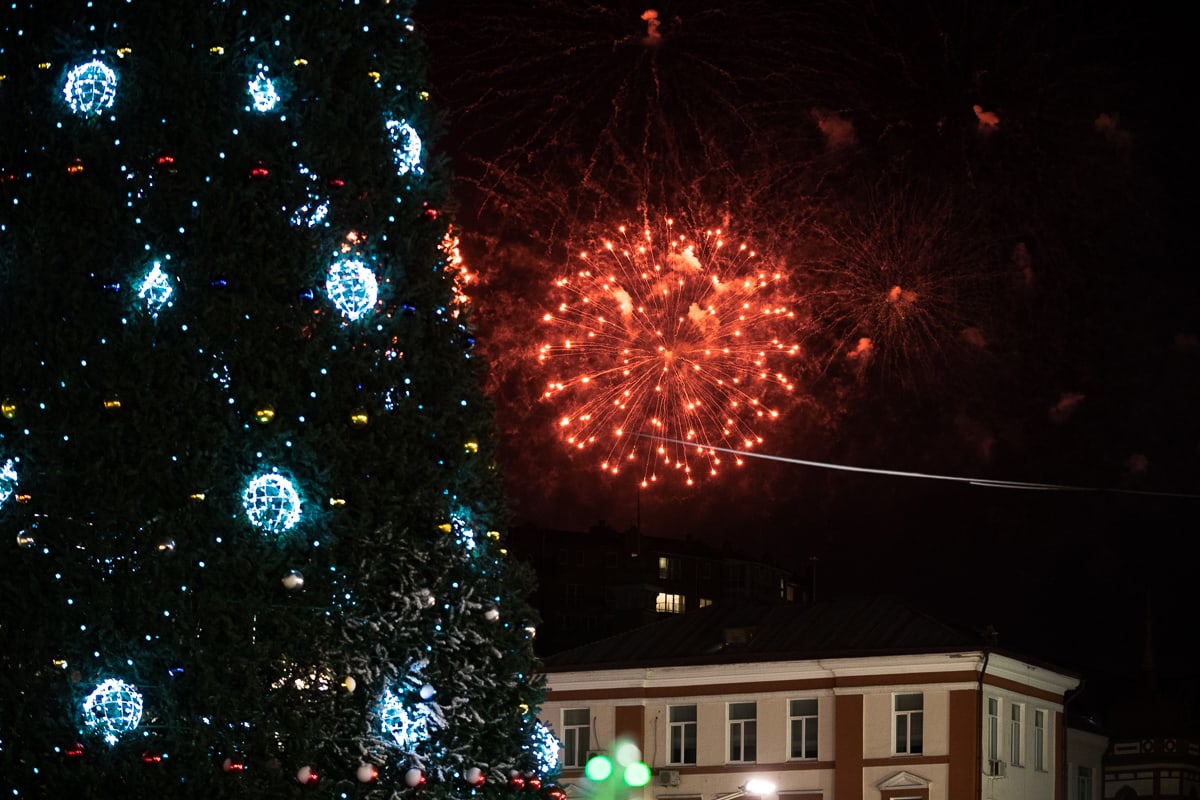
{"type": "Point", "coordinates": [903, 780]}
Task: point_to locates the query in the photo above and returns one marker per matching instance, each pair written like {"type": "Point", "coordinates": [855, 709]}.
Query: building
{"type": "Point", "coordinates": [1086, 748]}
{"type": "Point", "coordinates": [600, 582]}
{"type": "Point", "coordinates": [858, 699]}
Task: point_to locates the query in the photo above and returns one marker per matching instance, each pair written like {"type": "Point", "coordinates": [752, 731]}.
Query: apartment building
{"type": "Point", "coordinates": [862, 699]}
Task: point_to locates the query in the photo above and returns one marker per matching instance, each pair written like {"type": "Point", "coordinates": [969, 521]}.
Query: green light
{"type": "Point", "coordinates": [637, 774]}
{"type": "Point", "coordinates": [598, 768]}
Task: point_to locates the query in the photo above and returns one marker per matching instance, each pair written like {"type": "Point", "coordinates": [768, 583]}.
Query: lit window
{"type": "Point", "coordinates": [576, 735]}
{"type": "Point", "coordinates": [743, 731]}
{"type": "Point", "coordinates": [802, 726]}
{"type": "Point", "coordinates": [668, 568]}
{"type": "Point", "coordinates": [910, 713]}
{"type": "Point", "coordinates": [704, 602]}
{"type": "Point", "coordinates": [1015, 730]}
{"type": "Point", "coordinates": [993, 728]}
{"type": "Point", "coordinates": [1039, 739]}
{"type": "Point", "coordinates": [669, 603]}
{"type": "Point", "coordinates": [681, 736]}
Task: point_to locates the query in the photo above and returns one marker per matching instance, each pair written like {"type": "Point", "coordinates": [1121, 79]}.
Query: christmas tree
{"type": "Point", "coordinates": [247, 486]}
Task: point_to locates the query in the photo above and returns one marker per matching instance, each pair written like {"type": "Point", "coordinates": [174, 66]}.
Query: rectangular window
{"type": "Point", "coordinates": [910, 713]}
{"type": "Point", "coordinates": [802, 728]}
{"type": "Point", "coordinates": [1039, 739]}
{"type": "Point", "coordinates": [681, 734]}
{"type": "Point", "coordinates": [1015, 733]}
{"type": "Point", "coordinates": [576, 734]}
{"type": "Point", "coordinates": [667, 603]}
{"type": "Point", "coordinates": [1084, 783]}
{"type": "Point", "coordinates": [993, 729]}
{"type": "Point", "coordinates": [743, 731]}
{"type": "Point", "coordinates": [704, 602]}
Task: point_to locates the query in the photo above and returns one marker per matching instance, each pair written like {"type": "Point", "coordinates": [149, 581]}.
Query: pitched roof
{"type": "Point", "coordinates": [743, 631]}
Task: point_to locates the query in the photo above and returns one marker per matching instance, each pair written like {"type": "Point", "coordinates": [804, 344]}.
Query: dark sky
{"type": "Point", "coordinates": [1061, 235]}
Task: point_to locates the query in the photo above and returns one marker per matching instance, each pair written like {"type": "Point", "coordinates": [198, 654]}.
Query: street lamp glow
{"type": "Point", "coordinates": [759, 787]}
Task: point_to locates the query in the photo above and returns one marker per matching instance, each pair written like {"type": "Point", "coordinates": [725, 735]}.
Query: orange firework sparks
{"type": "Point", "coordinates": [664, 347]}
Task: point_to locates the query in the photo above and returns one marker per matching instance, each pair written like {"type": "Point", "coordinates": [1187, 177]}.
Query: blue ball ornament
{"type": "Point", "coordinates": [352, 287]}
{"type": "Point", "coordinates": [272, 503]}
{"type": "Point", "coordinates": [112, 709]}
{"type": "Point", "coordinates": [90, 88]}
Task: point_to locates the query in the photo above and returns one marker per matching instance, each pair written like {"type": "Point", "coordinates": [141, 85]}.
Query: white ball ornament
{"type": "Point", "coordinates": [414, 778]}
{"type": "Point", "coordinates": [306, 776]}
{"type": "Point", "coordinates": [367, 773]}
{"type": "Point", "coordinates": [427, 692]}
{"type": "Point", "coordinates": [293, 580]}
{"type": "Point", "coordinates": [474, 776]}
{"type": "Point", "coordinates": [349, 684]}
{"type": "Point", "coordinates": [491, 615]}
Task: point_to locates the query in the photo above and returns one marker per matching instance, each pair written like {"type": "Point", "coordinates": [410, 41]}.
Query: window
{"type": "Point", "coordinates": [1016, 712]}
{"type": "Point", "coordinates": [1039, 739]}
{"type": "Point", "coordinates": [704, 602]}
{"type": "Point", "coordinates": [910, 713]}
{"type": "Point", "coordinates": [802, 724]}
{"type": "Point", "coordinates": [669, 603]}
{"type": "Point", "coordinates": [1083, 783]}
{"type": "Point", "coordinates": [576, 736]}
{"type": "Point", "coordinates": [743, 731]}
{"type": "Point", "coordinates": [668, 568]}
{"type": "Point", "coordinates": [993, 729]}
{"type": "Point", "coordinates": [681, 734]}
{"type": "Point", "coordinates": [571, 594]}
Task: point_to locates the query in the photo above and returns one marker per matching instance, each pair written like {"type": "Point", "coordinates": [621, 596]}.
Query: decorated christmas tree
{"type": "Point", "coordinates": [247, 488]}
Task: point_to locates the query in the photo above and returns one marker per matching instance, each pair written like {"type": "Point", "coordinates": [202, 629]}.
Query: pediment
{"type": "Point", "coordinates": [903, 780]}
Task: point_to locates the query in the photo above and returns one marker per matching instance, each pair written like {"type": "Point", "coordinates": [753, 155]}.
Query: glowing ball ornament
{"type": "Point", "coordinates": [112, 709]}
{"type": "Point", "coordinates": [8, 408]}
{"type": "Point", "coordinates": [156, 290]}
{"type": "Point", "coordinates": [262, 92]}
{"type": "Point", "coordinates": [545, 747]}
{"type": "Point", "coordinates": [8, 480]}
{"type": "Point", "coordinates": [293, 580]}
{"type": "Point", "coordinates": [352, 287]}
{"type": "Point", "coordinates": [414, 778]}
{"type": "Point", "coordinates": [272, 503]}
{"type": "Point", "coordinates": [408, 726]}
{"type": "Point", "coordinates": [307, 776]}
{"type": "Point", "coordinates": [90, 88]}
{"type": "Point", "coordinates": [406, 147]}
{"type": "Point", "coordinates": [367, 773]}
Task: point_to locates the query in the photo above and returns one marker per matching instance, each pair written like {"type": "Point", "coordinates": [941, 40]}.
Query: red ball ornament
{"type": "Point", "coordinates": [75, 750]}
{"type": "Point", "coordinates": [336, 183]}
{"type": "Point", "coordinates": [533, 783]}
{"type": "Point", "coordinates": [553, 792]}
{"type": "Point", "coordinates": [516, 783]}
{"type": "Point", "coordinates": [234, 765]}
{"type": "Point", "coordinates": [258, 172]}
{"type": "Point", "coordinates": [307, 776]}
{"type": "Point", "coordinates": [430, 212]}
{"type": "Point", "coordinates": [151, 757]}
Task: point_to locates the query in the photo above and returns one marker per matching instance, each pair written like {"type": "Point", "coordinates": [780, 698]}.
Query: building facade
{"type": "Point", "coordinates": [932, 723]}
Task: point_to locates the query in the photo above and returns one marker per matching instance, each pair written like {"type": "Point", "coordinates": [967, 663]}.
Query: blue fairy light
{"type": "Point", "coordinates": [113, 708]}
{"type": "Point", "coordinates": [406, 147]}
{"type": "Point", "coordinates": [352, 287]}
{"type": "Point", "coordinates": [8, 480]}
{"type": "Point", "coordinates": [272, 503]}
{"type": "Point", "coordinates": [463, 532]}
{"type": "Point", "coordinates": [407, 725]}
{"type": "Point", "coordinates": [262, 93]}
{"type": "Point", "coordinates": [545, 747]}
{"type": "Point", "coordinates": [156, 290]}
{"type": "Point", "coordinates": [90, 88]}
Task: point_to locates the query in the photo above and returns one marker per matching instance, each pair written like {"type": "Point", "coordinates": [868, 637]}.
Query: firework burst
{"type": "Point", "coordinates": [666, 344]}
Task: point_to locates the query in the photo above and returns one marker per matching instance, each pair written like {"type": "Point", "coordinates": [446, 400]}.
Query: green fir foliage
{"type": "Point", "coordinates": [126, 551]}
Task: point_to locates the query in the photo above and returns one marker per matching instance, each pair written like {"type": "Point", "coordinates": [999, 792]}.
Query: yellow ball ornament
{"type": "Point", "coordinates": [8, 408]}
{"type": "Point", "coordinates": [359, 418]}
{"type": "Point", "coordinates": [264, 415]}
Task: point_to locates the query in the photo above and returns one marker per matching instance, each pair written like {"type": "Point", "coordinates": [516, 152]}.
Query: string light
{"type": "Point", "coordinates": [262, 92]}
{"type": "Point", "coordinates": [407, 726]}
{"type": "Point", "coordinates": [406, 150]}
{"type": "Point", "coordinates": [545, 747]}
{"type": "Point", "coordinates": [8, 480]}
{"type": "Point", "coordinates": [156, 290]}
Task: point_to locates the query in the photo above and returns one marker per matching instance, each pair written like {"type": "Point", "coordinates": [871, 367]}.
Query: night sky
{"type": "Point", "coordinates": [1051, 334]}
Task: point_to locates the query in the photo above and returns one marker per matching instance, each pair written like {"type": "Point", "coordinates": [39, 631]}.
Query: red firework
{"type": "Point", "coordinates": [667, 345]}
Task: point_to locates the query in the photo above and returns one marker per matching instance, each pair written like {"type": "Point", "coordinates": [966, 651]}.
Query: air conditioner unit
{"type": "Point", "coordinates": [668, 777]}
{"type": "Point", "coordinates": [995, 768]}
